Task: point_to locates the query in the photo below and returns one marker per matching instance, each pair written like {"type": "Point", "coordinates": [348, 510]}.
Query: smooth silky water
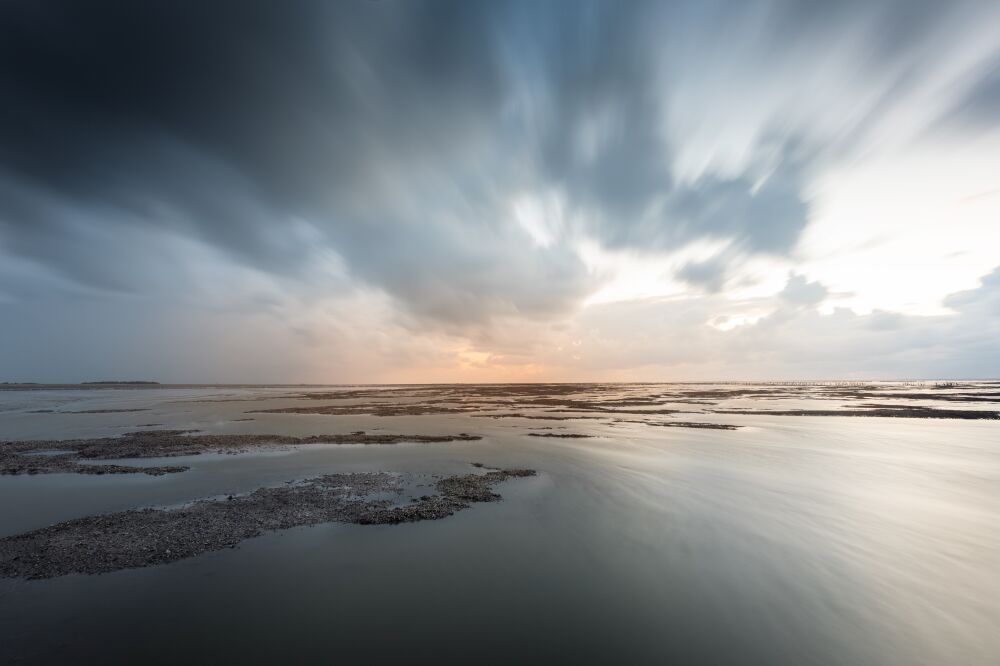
{"type": "Point", "coordinates": [793, 540]}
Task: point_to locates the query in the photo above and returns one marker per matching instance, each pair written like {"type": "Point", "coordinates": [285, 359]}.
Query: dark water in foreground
{"type": "Point", "coordinates": [794, 540]}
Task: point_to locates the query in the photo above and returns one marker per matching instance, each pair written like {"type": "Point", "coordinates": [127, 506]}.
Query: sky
{"type": "Point", "coordinates": [433, 191]}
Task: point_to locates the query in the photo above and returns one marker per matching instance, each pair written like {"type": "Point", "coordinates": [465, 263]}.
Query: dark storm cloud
{"type": "Point", "coordinates": [286, 92]}
{"type": "Point", "coordinates": [284, 100]}
{"type": "Point", "coordinates": [767, 219]}
{"type": "Point", "coordinates": [709, 274]}
{"type": "Point", "coordinates": [603, 95]}
{"type": "Point", "coordinates": [229, 121]}
{"type": "Point", "coordinates": [600, 111]}
{"type": "Point", "coordinates": [981, 105]}
{"type": "Point", "coordinates": [394, 133]}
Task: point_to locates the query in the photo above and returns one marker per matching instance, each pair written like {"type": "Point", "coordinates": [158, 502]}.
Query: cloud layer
{"type": "Point", "coordinates": [307, 177]}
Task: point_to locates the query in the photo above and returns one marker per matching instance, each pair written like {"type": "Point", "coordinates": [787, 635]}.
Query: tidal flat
{"type": "Point", "coordinates": [821, 523]}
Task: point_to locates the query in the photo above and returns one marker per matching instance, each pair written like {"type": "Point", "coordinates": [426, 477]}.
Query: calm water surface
{"type": "Point", "coordinates": [793, 540]}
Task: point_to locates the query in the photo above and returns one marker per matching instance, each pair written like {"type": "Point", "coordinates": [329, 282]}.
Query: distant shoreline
{"type": "Point", "coordinates": [121, 382]}
{"type": "Point", "coordinates": [39, 386]}
{"type": "Point", "coordinates": [35, 386]}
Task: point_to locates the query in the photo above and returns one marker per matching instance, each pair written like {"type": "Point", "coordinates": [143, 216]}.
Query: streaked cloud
{"type": "Point", "coordinates": [472, 184]}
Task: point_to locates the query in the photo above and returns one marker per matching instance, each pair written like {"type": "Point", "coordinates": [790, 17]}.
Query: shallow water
{"type": "Point", "coordinates": [794, 539]}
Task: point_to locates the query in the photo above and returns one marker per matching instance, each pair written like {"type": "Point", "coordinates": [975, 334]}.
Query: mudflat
{"type": "Point", "coordinates": [711, 523]}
